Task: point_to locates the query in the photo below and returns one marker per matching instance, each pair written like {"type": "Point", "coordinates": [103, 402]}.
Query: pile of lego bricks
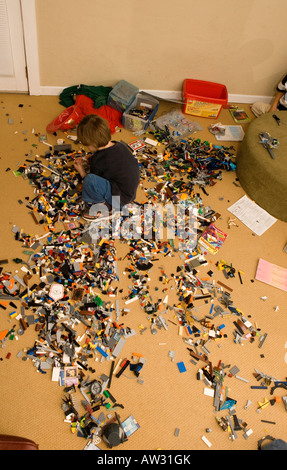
{"type": "Point", "coordinates": [69, 261]}
{"type": "Point", "coordinates": [183, 165]}
{"type": "Point", "coordinates": [58, 193]}
{"type": "Point", "coordinates": [75, 326]}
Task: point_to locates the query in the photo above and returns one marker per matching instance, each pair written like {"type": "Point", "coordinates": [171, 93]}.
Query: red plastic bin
{"type": "Point", "coordinates": [203, 99]}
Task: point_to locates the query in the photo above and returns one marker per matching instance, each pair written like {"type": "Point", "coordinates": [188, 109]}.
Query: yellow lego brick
{"type": "Point", "coordinates": [264, 404]}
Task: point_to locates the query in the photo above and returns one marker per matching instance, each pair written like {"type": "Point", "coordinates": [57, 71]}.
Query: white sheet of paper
{"type": "Point", "coordinates": [232, 134]}
{"type": "Point", "coordinates": [252, 215]}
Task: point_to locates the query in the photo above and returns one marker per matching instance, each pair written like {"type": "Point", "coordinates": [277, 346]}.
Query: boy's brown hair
{"type": "Point", "coordinates": [94, 130]}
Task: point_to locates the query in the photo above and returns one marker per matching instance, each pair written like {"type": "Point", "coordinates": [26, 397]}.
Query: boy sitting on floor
{"type": "Point", "coordinates": [114, 176]}
{"type": "Point", "coordinates": [279, 102]}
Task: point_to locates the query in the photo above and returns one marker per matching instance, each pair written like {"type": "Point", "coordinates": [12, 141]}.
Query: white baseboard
{"type": "Point", "coordinates": [166, 94]}
{"type": "Point", "coordinates": [249, 99]}
{"type": "Point", "coordinates": [175, 96]}
{"type": "Point", "coordinates": [232, 98]}
{"type": "Point", "coordinates": [51, 90]}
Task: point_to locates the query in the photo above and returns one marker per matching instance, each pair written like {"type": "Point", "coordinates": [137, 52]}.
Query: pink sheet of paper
{"type": "Point", "coordinates": [271, 274]}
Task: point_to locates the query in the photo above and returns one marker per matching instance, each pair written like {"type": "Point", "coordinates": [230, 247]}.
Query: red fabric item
{"type": "Point", "coordinates": [66, 120]}
{"type": "Point", "coordinates": [83, 106]}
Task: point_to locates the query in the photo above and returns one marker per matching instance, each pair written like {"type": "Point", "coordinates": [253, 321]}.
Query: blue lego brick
{"type": "Point", "coordinates": [181, 367]}
{"type": "Point", "coordinates": [100, 350]}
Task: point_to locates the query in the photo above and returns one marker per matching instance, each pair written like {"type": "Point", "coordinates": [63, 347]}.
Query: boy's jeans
{"type": "Point", "coordinates": [98, 190]}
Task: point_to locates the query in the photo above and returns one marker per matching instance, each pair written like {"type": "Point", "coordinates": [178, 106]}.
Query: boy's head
{"type": "Point", "coordinates": [94, 132]}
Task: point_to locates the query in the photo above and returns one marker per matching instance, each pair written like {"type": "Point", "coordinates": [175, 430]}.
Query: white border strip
{"type": "Point", "coordinates": [249, 99]}
{"type": "Point", "coordinates": [172, 95]}
{"type": "Point", "coordinates": [232, 98]}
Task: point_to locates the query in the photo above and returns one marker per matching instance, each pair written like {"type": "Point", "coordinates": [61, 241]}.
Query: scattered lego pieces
{"type": "Point", "coordinates": [206, 441]}
{"type": "Point", "coordinates": [77, 270]}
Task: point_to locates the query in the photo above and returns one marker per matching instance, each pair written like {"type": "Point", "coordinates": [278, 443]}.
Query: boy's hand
{"type": "Point", "coordinates": [79, 166]}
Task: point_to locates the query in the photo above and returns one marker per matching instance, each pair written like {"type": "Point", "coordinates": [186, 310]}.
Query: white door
{"type": "Point", "coordinates": [13, 76]}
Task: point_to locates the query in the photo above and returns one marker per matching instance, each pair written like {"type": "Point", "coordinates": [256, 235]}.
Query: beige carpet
{"type": "Point", "coordinates": [167, 399]}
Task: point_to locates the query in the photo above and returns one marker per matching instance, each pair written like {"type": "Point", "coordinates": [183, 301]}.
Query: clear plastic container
{"type": "Point", "coordinates": [122, 95]}
{"type": "Point", "coordinates": [140, 113]}
{"type": "Point", "coordinates": [177, 123]}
